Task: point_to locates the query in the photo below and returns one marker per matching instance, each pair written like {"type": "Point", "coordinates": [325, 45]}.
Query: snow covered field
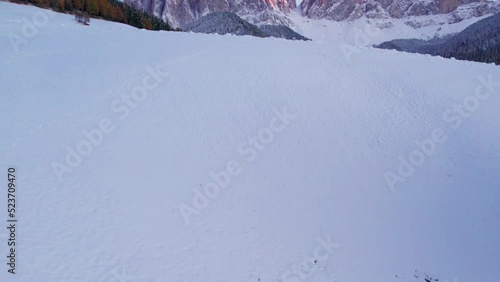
{"type": "Point", "coordinates": [158, 156]}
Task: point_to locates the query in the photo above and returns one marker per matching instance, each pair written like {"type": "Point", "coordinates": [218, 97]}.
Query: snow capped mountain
{"type": "Point", "coordinates": [181, 12]}
{"type": "Point", "coordinates": [340, 10]}
{"type": "Point", "coordinates": [409, 15]}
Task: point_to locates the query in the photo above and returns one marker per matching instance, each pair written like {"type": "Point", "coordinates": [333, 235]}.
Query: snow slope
{"type": "Point", "coordinates": [331, 122]}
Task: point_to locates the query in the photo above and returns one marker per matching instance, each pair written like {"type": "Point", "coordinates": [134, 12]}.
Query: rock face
{"type": "Point", "coordinates": [446, 6]}
{"type": "Point", "coordinates": [340, 10]}
{"type": "Point", "coordinates": [181, 12]}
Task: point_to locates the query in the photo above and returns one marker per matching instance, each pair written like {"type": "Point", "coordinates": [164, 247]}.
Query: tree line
{"type": "Point", "coordinates": [111, 10]}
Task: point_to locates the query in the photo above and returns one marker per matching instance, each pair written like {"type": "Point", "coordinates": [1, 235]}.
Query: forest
{"type": "Point", "coordinates": [111, 10]}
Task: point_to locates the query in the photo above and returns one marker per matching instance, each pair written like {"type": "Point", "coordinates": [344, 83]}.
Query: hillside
{"type": "Point", "coordinates": [229, 23]}
{"type": "Point", "coordinates": [171, 156]}
{"type": "Point", "coordinates": [224, 23]}
{"type": "Point", "coordinates": [111, 10]}
{"type": "Point", "coordinates": [479, 42]}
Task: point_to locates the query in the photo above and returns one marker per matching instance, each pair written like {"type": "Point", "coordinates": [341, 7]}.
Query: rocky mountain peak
{"type": "Point", "coordinates": [181, 12]}
{"type": "Point", "coordinates": [339, 10]}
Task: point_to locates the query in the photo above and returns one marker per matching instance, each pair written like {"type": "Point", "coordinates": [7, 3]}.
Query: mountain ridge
{"type": "Point", "coordinates": [340, 10]}
{"type": "Point", "coordinates": [179, 13]}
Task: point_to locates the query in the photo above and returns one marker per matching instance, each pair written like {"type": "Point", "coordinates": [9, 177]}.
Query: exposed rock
{"type": "Point", "coordinates": [181, 12]}
{"type": "Point", "coordinates": [340, 10]}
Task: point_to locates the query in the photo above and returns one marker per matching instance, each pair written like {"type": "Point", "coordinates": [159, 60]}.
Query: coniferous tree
{"type": "Point", "coordinates": [114, 10]}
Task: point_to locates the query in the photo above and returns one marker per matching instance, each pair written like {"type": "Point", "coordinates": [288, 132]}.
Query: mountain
{"type": "Point", "coordinates": [479, 42]}
{"type": "Point", "coordinates": [181, 12]}
{"type": "Point", "coordinates": [224, 23]}
{"type": "Point", "coordinates": [230, 23]}
{"type": "Point", "coordinates": [383, 14]}
{"type": "Point", "coordinates": [339, 10]}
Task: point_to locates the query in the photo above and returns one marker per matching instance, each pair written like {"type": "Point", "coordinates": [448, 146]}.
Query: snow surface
{"type": "Point", "coordinates": [116, 216]}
